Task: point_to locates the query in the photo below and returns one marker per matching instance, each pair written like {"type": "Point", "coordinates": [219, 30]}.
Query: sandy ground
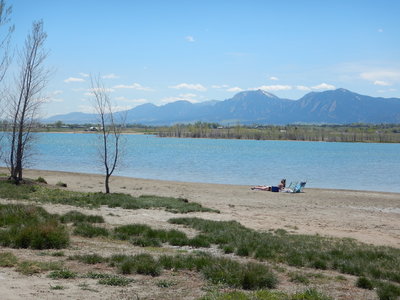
{"type": "Point", "coordinates": [370, 217]}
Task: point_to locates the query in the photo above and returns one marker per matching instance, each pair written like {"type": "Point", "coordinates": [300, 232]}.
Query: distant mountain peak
{"type": "Point", "coordinates": [267, 94]}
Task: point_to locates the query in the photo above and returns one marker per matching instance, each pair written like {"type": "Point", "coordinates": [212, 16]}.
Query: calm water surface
{"type": "Point", "coordinates": [324, 165]}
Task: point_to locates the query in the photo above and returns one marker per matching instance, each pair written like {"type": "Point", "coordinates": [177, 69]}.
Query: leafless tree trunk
{"type": "Point", "coordinates": [5, 13]}
{"type": "Point", "coordinates": [109, 130]}
{"type": "Point", "coordinates": [26, 100]}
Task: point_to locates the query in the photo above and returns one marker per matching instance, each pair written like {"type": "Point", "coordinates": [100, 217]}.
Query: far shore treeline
{"type": "Point", "coordinates": [366, 133]}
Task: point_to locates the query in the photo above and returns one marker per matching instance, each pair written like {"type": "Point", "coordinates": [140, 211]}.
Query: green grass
{"type": "Point", "coordinates": [74, 216]}
{"type": "Point", "coordinates": [90, 231]}
{"type": "Point", "coordinates": [61, 196]}
{"type": "Point", "coordinates": [217, 270]}
{"type": "Point", "coordinates": [8, 260]}
{"type": "Point", "coordinates": [310, 294]}
{"type": "Point", "coordinates": [344, 255]}
{"type": "Point", "coordinates": [62, 274]}
{"type": "Point", "coordinates": [33, 267]}
{"type": "Point", "coordinates": [90, 259]}
{"type": "Point", "coordinates": [26, 226]}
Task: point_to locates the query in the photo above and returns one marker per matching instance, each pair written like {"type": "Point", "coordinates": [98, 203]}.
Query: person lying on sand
{"type": "Point", "coordinates": [281, 186]}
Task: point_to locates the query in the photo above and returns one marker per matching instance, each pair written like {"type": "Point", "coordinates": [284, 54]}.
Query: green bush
{"type": "Point", "coordinates": [388, 291]}
{"type": "Point", "coordinates": [115, 280]}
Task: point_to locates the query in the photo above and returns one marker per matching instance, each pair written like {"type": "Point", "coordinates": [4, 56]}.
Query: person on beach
{"type": "Point", "coordinates": [281, 186]}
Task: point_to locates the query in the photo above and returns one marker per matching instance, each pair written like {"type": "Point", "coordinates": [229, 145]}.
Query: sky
{"type": "Point", "coordinates": [163, 51]}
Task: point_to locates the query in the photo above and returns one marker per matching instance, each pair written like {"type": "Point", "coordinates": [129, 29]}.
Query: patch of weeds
{"type": "Point", "coordinates": [90, 259]}
{"type": "Point", "coordinates": [26, 226]}
{"type": "Point", "coordinates": [141, 264]}
{"type": "Point", "coordinates": [57, 254]}
{"type": "Point", "coordinates": [78, 217]}
{"type": "Point", "coordinates": [34, 267]}
{"type": "Point", "coordinates": [115, 280]}
{"type": "Point", "coordinates": [8, 260]}
{"type": "Point", "coordinates": [345, 255]}
{"type": "Point", "coordinates": [310, 294]}
{"type": "Point", "coordinates": [85, 287]}
{"type": "Point", "coordinates": [388, 291]}
{"type": "Point", "coordinates": [364, 283]}
{"type": "Point", "coordinates": [62, 274]}
{"type": "Point", "coordinates": [249, 276]}
{"type": "Point", "coordinates": [265, 295]}
{"type": "Point", "coordinates": [340, 278]}
{"type": "Point", "coordinates": [90, 231]}
{"type": "Point", "coordinates": [57, 287]}
{"type": "Point", "coordinates": [299, 278]}
{"type": "Point", "coordinates": [61, 184]}
{"type": "Point", "coordinates": [165, 283]}
{"type": "Point", "coordinates": [126, 201]}
{"type": "Point", "coordinates": [41, 180]}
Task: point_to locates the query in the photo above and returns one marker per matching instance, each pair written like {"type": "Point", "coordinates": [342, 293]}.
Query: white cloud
{"type": "Point", "coordinates": [222, 86]}
{"type": "Point", "coordinates": [74, 79]}
{"type": "Point", "coordinates": [380, 30]}
{"type": "Point", "coordinates": [189, 86]}
{"type": "Point", "coordinates": [188, 96]}
{"type": "Point", "coordinates": [274, 78]}
{"type": "Point", "coordinates": [323, 86]}
{"type": "Point", "coordinates": [276, 87]}
{"type": "Point", "coordinates": [86, 109]}
{"type": "Point", "coordinates": [134, 86]}
{"type": "Point", "coordinates": [303, 88]}
{"type": "Point", "coordinates": [110, 76]}
{"type": "Point", "coordinates": [137, 101]}
{"type": "Point", "coordinates": [189, 38]}
{"type": "Point", "coordinates": [381, 83]}
{"type": "Point", "coordinates": [84, 74]}
{"type": "Point", "coordinates": [381, 75]}
{"type": "Point", "coordinates": [234, 89]}
{"type": "Point", "coordinates": [105, 90]}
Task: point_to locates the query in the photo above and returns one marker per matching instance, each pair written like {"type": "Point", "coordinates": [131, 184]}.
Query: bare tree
{"type": "Point", "coordinates": [27, 99]}
{"type": "Point", "coordinates": [110, 131]}
{"type": "Point", "coordinates": [5, 12]}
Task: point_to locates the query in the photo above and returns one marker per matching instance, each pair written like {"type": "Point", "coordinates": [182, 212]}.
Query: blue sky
{"type": "Point", "coordinates": [163, 51]}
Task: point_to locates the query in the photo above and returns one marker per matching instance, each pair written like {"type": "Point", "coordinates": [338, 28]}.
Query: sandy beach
{"type": "Point", "coordinates": [369, 217]}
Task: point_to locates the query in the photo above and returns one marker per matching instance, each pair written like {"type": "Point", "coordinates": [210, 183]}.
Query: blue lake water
{"type": "Point", "coordinates": [324, 165]}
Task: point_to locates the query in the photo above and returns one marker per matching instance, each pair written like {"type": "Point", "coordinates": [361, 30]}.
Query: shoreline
{"type": "Point", "coordinates": [367, 216]}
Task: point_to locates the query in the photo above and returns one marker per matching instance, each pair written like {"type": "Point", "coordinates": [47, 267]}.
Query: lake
{"type": "Point", "coordinates": [357, 166]}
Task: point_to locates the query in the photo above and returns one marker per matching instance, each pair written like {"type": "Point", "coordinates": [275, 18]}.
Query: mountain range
{"type": "Point", "coordinates": [338, 106]}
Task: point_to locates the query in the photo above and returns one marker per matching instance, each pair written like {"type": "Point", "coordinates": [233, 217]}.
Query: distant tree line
{"type": "Point", "coordinates": [383, 133]}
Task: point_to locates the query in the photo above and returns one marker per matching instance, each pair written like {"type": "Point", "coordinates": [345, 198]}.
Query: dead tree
{"type": "Point", "coordinates": [25, 102]}
{"type": "Point", "coordinates": [5, 36]}
{"type": "Point", "coordinates": [109, 131]}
